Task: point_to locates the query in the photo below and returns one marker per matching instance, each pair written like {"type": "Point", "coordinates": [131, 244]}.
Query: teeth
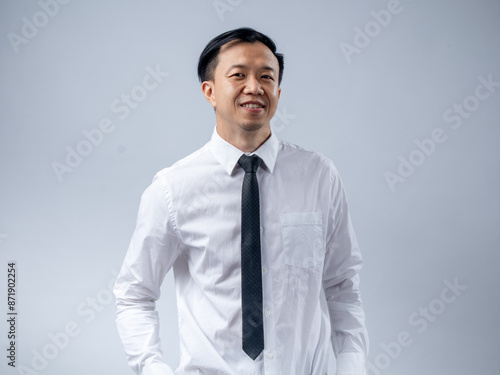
{"type": "Point", "coordinates": [252, 106]}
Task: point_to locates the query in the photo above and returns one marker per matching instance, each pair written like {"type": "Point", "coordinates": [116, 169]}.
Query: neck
{"type": "Point", "coordinates": [245, 140]}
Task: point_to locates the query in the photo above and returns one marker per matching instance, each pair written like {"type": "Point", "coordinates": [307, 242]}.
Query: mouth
{"type": "Point", "coordinates": [253, 107]}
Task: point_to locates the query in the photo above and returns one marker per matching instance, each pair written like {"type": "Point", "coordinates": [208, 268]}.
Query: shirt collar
{"type": "Point", "coordinates": [228, 155]}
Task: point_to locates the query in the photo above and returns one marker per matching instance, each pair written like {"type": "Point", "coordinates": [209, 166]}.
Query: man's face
{"type": "Point", "coordinates": [245, 90]}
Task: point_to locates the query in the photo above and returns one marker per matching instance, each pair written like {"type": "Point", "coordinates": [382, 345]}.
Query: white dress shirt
{"type": "Point", "coordinates": [190, 220]}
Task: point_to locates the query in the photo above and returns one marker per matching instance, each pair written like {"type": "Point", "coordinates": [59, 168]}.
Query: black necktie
{"type": "Point", "coordinates": [251, 277]}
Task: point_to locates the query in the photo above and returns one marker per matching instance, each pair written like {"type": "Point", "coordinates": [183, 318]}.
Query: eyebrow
{"type": "Point", "coordinates": [242, 66]}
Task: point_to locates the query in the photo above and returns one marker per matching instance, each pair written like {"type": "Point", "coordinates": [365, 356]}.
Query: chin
{"type": "Point", "coordinates": [252, 126]}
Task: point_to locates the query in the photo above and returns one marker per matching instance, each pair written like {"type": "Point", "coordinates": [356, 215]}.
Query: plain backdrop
{"type": "Point", "coordinates": [403, 96]}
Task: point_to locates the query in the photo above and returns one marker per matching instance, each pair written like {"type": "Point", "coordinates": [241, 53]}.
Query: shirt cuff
{"type": "Point", "coordinates": [157, 368]}
{"type": "Point", "coordinates": [351, 364]}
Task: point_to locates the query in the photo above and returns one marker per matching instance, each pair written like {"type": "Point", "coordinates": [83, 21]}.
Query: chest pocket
{"type": "Point", "coordinates": [302, 238]}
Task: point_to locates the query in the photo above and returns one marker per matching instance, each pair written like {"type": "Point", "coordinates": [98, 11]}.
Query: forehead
{"type": "Point", "coordinates": [244, 53]}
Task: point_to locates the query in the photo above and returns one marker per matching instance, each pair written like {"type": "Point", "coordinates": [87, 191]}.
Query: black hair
{"type": "Point", "coordinates": [209, 57]}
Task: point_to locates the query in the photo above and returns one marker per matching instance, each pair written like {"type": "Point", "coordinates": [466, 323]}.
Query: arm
{"type": "Point", "coordinates": [340, 282]}
{"type": "Point", "coordinates": [153, 250]}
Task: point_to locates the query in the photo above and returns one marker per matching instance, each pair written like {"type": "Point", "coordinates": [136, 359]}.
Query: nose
{"type": "Point", "coordinates": [253, 86]}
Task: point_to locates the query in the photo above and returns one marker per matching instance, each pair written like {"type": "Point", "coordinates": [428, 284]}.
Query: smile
{"type": "Point", "coordinates": [252, 106]}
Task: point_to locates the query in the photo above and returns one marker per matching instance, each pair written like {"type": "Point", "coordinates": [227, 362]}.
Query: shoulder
{"type": "Point", "coordinates": [197, 159]}
{"type": "Point", "coordinates": [304, 158]}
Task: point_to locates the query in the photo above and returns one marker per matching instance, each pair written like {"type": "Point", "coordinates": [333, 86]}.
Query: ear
{"type": "Point", "coordinates": [208, 90]}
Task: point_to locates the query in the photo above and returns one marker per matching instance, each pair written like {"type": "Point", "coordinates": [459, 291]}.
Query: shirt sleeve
{"type": "Point", "coordinates": [341, 285]}
{"type": "Point", "coordinates": [153, 249]}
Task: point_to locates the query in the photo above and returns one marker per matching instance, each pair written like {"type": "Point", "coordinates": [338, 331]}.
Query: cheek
{"type": "Point", "coordinates": [275, 93]}
{"type": "Point", "coordinates": [275, 97]}
{"type": "Point", "coordinates": [228, 95]}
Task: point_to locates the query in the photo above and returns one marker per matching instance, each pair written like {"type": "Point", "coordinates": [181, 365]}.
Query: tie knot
{"type": "Point", "coordinates": [249, 163]}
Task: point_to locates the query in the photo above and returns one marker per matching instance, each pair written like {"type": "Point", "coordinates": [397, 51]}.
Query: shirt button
{"type": "Point", "coordinates": [264, 270]}
{"type": "Point", "coordinates": [270, 355]}
{"type": "Point", "coordinates": [261, 229]}
{"type": "Point", "coordinates": [268, 312]}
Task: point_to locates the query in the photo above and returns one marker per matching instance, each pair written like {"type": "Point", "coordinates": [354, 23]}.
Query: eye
{"type": "Point", "coordinates": [238, 75]}
{"type": "Point", "coordinates": [265, 76]}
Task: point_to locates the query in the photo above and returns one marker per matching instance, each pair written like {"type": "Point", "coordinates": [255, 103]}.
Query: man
{"type": "Point", "coordinates": [259, 237]}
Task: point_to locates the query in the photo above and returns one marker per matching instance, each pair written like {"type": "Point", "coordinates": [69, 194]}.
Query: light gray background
{"type": "Point", "coordinates": [439, 226]}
